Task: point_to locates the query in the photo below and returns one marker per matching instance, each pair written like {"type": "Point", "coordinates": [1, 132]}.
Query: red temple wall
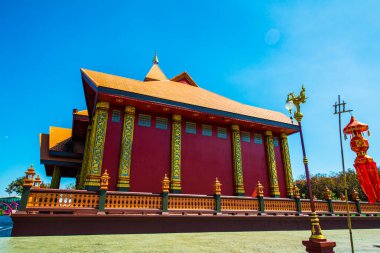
{"type": "Point", "coordinates": [254, 166]}
{"type": "Point", "coordinates": [111, 153]}
{"type": "Point", "coordinates": [151, 156]}
{"type": "Point", "coordinates": [280, 169]}
{"type": "Point", "coordinates": [203, 159]}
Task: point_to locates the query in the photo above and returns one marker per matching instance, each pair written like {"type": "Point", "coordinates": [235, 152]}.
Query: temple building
{"type": "Point", "coordinates": [140, 130]}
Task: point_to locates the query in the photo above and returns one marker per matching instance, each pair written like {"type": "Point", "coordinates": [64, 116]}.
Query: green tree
{"type": "Point", "coordinates": [334, 181]}
{"type": "Point", "coordinates": [15, 186]}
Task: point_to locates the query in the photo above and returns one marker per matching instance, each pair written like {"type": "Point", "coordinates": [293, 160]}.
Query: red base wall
{"type": "Point", "coordinates": [203, 159]}
{"type": "Point", "coordinates": [254, 166]}
{"type": "Point", "coordinates": [150, 156]}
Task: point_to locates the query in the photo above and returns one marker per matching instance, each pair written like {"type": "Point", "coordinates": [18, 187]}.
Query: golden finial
{"type": "Point", "coordinates": [37, 182]}
{"type": "Point", "coordinates": [29, 176]}
{"type": "Point", "coordinates": [327, 194]}
{"type": "Point", "coordinates": [165, 184]}
{"type": "Point", "coordinates": [155, 59]}
{"type": "Point", "coordinates": [296, 192]}
{"type": "Point", "coordinates": [218, 187]}
{"type": "Point", "coordinates": [355, 195]}
{"type": "Point", "coordinates": [104, 181]}
{"type": "Point", "coordinates": [259, 189]}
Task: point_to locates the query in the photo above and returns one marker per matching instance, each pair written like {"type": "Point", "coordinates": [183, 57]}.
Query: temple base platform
{"type": "Point", "coordinates": [91, 224]}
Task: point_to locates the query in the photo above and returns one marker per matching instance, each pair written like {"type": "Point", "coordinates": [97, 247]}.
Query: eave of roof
{"type": "Point", "coordinates": [182, 95]}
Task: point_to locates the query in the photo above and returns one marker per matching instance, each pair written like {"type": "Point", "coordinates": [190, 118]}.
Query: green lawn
{"type": "Point", "coordinates": [282, 241]}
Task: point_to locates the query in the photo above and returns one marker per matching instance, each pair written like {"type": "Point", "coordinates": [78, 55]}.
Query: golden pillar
{"type": "Point", "coordinates": [237, 161]}
{"type": "Point", "coordinates": [126, 149]}
{"type": "Point", "coordinates": [85, 162]}
{"type": "Point", "coordinates": [97, 139]}
{"type": "Point", "coordinates": [175, 181]}
{"type": "Point", "coordinates": [287, 165]}
{"type": "Point", "coordinates": [271, 163]}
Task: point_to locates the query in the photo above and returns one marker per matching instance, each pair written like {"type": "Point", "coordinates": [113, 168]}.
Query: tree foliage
{"type": "Point", "coordinates": [334, 181]}
{"type": "Point", "coordinates": [15, 186]}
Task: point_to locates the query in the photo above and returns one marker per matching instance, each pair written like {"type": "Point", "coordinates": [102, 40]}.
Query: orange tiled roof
{"type": "Point", "coordinates": [82, 113]}
{"type": "Point", "coordinates": [183, 93]}
{"type": "Point", "coordinates": [155, 74]}
{"type": "Point", "coordinates": [59, 136]}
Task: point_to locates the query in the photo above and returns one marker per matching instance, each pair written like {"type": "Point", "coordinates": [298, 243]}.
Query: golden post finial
{"type": "Point", "coordinates": [217, 187]}
{"type": "Point", "coordinates": [327, 194]}
{"type": "Point", "coordinates": [296, 192]}
{"type": "Point", "coordinates": [259, 189]}
{"type": "Point", "coordinates": [355, 195]}
{"type": "Point", "coordinates": [29, 176]}
{"type": "Point", "coordinates": [165, 184]}
{"type": "Point", "coordinates": [104, 181]}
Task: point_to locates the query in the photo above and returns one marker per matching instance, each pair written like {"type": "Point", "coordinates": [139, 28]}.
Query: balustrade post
{"type": "Point", "coordinates": [103, 192]}
{"type": "Point", "coordinates": [296, 196]}
{"type": "Point", "coordinates": [27, 185]}
{"type": "Point", "coordinates": [260, 197]}
{"type": "Point", "coordinates": [218, 191]}
{"type": "Point", "coordinates": [355, 197]}
{"type": "Point", "coordinates": [327, 197]}
{"type": "Point", "coordinates": [165, 194]}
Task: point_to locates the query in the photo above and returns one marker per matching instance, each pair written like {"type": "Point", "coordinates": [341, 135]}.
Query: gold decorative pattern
{"type": "Point", "coordinates": [237, 160]}
{"type": "Point", "coordinates": [280, 205]}
{"type": "Point", "coordinates": [126, 148]}
{"type": "Point", "coordinates": [239, 204]}
{"type": "Point", "coordinates": [98, 135]}
{"type": "Point", "coordinates": [271, 163]}
{"type": "Point", "coordinates": [176, 154]}
{"type": "Point", "coordinates": [133, 201]}
{"type": "Point", "coordinates": [83, 172]}
{"type": "Point", "coordinates": [287, 164]}
{"type": "Point", "coordinates": [193, 203]}
{"type": "Point", "coordinates": [63, 200]}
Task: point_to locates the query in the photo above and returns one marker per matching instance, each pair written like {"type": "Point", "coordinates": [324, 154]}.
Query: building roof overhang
{"type": "Point", "coordinates": [180, 96]}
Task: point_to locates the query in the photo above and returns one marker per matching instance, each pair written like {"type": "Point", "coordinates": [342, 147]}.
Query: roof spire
{"type": "Point", "coordinates": [155, 59]}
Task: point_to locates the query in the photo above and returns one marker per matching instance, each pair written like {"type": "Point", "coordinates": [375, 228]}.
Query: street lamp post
{"type": "Point", "coordinates": [317, 241]}
{"type": "Point", "coordinates": [339, 109]}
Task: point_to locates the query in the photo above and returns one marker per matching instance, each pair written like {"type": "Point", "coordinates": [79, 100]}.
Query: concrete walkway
{"type": "Point", "coordinates": [366, 240]}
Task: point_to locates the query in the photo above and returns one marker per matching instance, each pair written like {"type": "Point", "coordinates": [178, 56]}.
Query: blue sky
{"type": "Point", "coordinates": [255, 52]}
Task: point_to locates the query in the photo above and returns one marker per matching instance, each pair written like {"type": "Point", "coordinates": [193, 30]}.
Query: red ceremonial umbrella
{"type": "Point", "coordinates": [366, 168]}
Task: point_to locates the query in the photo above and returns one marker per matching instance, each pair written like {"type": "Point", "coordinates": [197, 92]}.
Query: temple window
{"type": "Point", "coordinates": [161, 123]}
{"type": "Point", "coordinates": [245, 136]}
{"type": "Point", "coordinates": [222, 132]}
{"type": "Point", "coordinates": [191, 128]}
{"type": "Point", "coordinates": [257, 138]}
{"type": "Point", "coordinates": [275, 141]}
{"type": "Point", "coordinates": [206, 130]}
{"type": "Point", "coordinates": [144, 120]}
{"type": "Point", "coordinates": [116, 116]}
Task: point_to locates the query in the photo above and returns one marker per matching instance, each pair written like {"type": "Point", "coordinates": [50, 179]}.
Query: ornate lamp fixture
{"type": "Point", "coordinates": [317, 239]}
